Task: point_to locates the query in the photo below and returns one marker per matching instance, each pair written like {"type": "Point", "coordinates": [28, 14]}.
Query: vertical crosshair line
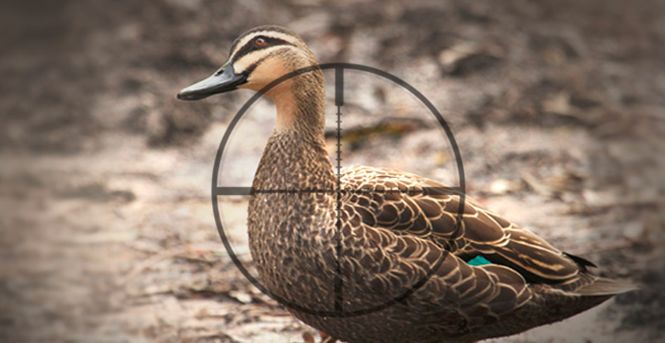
{"type": "Point", "coordinates": [339, 102]}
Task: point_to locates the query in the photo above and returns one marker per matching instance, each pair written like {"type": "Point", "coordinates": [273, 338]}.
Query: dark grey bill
{"type": "Point", "coordinates": [223, 80]}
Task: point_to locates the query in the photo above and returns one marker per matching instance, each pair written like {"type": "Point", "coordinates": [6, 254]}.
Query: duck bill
{"type": "Point", "coordinates": [223, 80]}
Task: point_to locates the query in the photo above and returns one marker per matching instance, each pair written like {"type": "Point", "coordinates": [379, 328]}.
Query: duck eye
{"type": "Point", "coordinates": [260, 42]}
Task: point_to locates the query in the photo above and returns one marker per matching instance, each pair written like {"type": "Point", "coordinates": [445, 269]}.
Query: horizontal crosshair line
{"type": "Point", "coordinates": [424, 190]}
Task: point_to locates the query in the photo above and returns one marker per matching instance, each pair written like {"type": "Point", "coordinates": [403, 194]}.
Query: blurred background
{"type": "Point", "coordinates": [106, 228]}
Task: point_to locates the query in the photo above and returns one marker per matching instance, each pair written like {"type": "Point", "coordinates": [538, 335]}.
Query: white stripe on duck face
{"type": "Point", "coordinates": [247, 61]}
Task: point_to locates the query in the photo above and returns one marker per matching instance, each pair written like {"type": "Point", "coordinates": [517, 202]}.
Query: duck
{"type": "Point", "coordinates": [381, 255]}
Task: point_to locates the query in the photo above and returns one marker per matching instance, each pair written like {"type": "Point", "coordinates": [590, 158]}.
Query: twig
{"type": "Point", "coordinates": [164, 255]}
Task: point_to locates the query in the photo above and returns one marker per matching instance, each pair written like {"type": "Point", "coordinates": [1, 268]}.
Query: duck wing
{"type": "Point", "coordinates": [410, 205]}
{"type": "Point", "coordinates": [446, 290]}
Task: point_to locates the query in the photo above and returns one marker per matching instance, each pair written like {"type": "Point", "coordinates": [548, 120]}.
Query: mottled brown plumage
{"type": "Point", "coordinates": [339, 257]}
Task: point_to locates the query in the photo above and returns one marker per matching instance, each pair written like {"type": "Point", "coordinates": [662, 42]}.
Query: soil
{"type": "Point", "coordinates": [106, 229]}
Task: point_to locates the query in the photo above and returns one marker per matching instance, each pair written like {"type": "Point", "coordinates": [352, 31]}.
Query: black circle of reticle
{"type": "Point", "coordinates": [230, 190]}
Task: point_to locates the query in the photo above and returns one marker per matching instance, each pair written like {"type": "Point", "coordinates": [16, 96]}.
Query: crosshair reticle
{"type": "Point", "coordinates": [338, 191]}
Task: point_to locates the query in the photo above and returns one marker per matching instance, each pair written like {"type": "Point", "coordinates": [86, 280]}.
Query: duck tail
{"type": "Point", "coordinates": [606, 287]}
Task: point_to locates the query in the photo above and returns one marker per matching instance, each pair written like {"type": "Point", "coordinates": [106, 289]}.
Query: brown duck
{"type": "Point", "coordinates": [376, 255]}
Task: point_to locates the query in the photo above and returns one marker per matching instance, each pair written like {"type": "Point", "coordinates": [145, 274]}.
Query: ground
{"type": "Point", "coordinates": [106, 229]}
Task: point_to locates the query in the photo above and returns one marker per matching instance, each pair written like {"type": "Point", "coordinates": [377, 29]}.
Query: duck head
{"type": "Point", "coordinates": [257, 57]}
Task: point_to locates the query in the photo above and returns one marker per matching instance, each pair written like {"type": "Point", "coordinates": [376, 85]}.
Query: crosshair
{"type": "Point", "coordinates": [217, 191]}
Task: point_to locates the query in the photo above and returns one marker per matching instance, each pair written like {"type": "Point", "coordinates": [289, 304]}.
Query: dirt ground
{"type": "Point", "coordinates": [106, 227]}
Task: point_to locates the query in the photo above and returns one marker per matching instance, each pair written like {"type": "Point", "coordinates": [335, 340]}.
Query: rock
{"type": "Point", "coordinates": [503, 186]}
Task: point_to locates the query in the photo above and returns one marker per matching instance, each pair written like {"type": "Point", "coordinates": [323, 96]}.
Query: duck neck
{"type": "Point", "coordinates": [296, 156]}
{"type": "Point", "coordinates": [300, 106]}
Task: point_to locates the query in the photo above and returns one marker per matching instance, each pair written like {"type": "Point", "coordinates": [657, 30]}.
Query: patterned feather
{"type": "Point", "coordinates": [391, 256]}
{"type": "Point", "coordinates": [398, 201]}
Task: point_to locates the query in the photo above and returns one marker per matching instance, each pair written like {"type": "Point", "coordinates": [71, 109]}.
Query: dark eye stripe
{"type": "Point", "coordinates": [267, 28]}
{"type": "Point", "coordinates": [254, 65]}
{"type": "Point", "coordinates": [251, 46]}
